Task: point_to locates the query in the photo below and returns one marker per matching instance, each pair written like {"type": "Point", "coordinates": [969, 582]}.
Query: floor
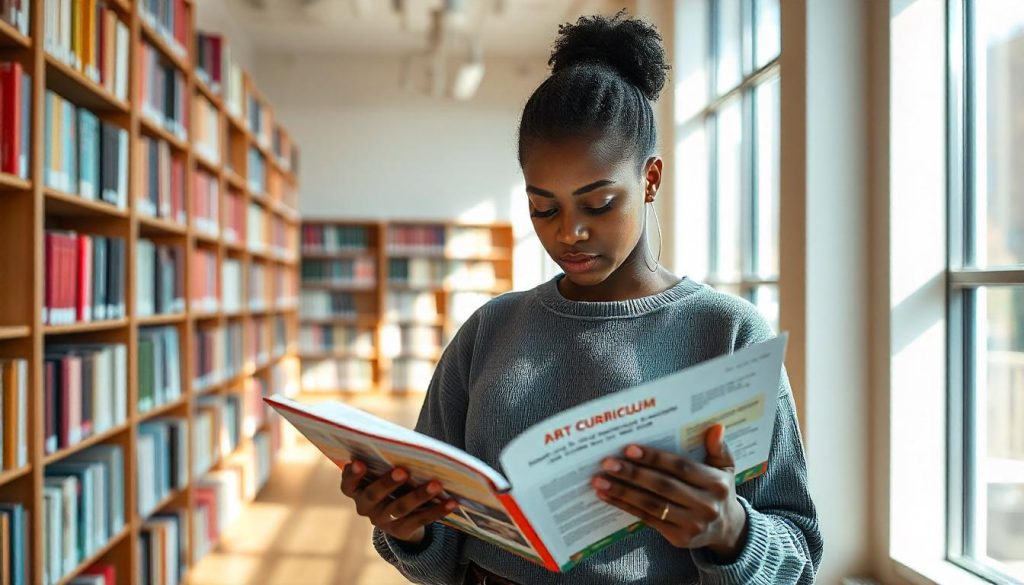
{"type": "Point", "coordinates": [301, 530]}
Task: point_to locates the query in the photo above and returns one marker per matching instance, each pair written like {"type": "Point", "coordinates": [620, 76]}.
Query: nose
{"type": "Point", "coordinates": [572, 229]}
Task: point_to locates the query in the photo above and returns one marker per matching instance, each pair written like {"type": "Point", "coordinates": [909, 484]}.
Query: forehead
{"type": "Point", "coordinates": [574, 162]}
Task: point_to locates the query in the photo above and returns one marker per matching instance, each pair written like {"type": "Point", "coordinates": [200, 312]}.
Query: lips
{"type": "Point", "coordinates": [576, 263]}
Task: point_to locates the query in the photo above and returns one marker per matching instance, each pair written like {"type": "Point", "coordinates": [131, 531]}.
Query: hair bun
{"type": "Point", "coordinates": [629, 45]}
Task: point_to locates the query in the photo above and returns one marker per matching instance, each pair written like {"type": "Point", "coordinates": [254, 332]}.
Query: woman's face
{"type": "Point", "coordinates": [587, 208]}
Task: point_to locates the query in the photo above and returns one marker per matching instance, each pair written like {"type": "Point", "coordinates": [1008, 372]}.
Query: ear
{"type": "Point", "coordinates": [652, 177]}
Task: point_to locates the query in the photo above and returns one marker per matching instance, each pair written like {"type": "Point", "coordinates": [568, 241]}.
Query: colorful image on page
{"type": "Point", "coordinates": [737, 422]}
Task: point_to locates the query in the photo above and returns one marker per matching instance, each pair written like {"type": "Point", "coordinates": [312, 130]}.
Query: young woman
{"type": "Point", "coordinates": [614, 319]}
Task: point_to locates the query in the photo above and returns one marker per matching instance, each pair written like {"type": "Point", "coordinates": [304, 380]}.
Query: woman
{"type": "Point", "coordinates": [614, 319]}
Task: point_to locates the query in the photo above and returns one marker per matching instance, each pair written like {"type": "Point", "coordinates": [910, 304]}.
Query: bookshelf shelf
{"type": "Point", "coordinates": [161, 410]}
{"type": "Point", "coordinates": [11, 37]}
{"type": "Point", "coordinates": [10, 475]}
{"type": "Point", "coordinates": [171, 498]}
{"type": "Point", "coordinates": [85, 443]}
{"type": "Point", "coordinates": [88, 327]}
{"type": "Point", "coordinates": [103, 550]}
{"type": "Point", "coordinates": [68, 205]}
{"type": "Point", "coordinates": [81, 90]}
{"type": "Point", "coordinates": [429, 277]}
{"type": "Point", "coordinates": [14, 331]}
{"type": "Point", "coordinates": [151, 127]}
{"type": "Point", "coordinates": [126, 350]}
{"type": "Point", "coordinates": [157, 40]}
{"type": "Point", "coordinates": [161, 319]}
{"type": "Point", "coordinates": [156, 225]}
{"type": "Point", "coordinates": [9, 182]}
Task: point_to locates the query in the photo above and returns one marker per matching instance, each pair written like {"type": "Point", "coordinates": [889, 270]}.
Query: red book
{"type": "Point", "coordinates": [74, 403]}
{"type": "Point", "coordinates": [10, 116]}
{"type": "Point", "coordinates": [108, 572]}
{"type": "Point", "coordinates": [83, 308]}
{"type": "Point", "coordinates": [206, 497]}
{"type": "Point", "coordinates": [50, 401]}
{"type": "Point", "coordinates": [216, 50]}
{"type": "Point", "coordinates": [69, 274]}
{"type": "Point", "coordinates": [178, 189]}
{"type": "Point", "coordinates": [49, 297]}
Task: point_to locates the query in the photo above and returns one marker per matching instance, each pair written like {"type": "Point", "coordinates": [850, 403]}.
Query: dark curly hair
{"type": "Point", "coordinates": [605, 72]}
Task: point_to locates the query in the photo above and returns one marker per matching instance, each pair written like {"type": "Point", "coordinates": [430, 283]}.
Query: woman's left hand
{"type": "Point", "coordinates": [692, 504]}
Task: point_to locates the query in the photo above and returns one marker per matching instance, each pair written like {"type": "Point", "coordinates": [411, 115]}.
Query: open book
{"type": "Point", "coordinates": [543, 506]}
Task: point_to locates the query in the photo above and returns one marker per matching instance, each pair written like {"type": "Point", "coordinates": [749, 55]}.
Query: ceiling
{"type": "Point", "coordinates": [506, 28]}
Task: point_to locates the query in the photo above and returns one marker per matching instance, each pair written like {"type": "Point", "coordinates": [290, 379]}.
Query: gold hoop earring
{"type": "Point", "coordinates": [657, 222]}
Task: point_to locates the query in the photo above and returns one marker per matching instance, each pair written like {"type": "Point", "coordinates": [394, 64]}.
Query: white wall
{"type": "Point", "coordinates": [370, 149]}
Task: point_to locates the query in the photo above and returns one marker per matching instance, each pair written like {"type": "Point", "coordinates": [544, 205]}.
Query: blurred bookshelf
{"type": "Point", "coordinates": [148, 211]}
{"type": "Point", "coordinates": [381, 300]}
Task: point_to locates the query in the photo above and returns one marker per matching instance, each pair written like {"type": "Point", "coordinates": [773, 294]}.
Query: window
{"type": "Point", "coordinates": [728, 151]}
{"type": "Point", "coordinates": [986, 294]}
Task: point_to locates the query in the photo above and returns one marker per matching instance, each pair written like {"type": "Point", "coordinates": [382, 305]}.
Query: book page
{"type": "Point", "coordinates": [551, 463]}
{"type": "Point", "coordinates": [344, 433]}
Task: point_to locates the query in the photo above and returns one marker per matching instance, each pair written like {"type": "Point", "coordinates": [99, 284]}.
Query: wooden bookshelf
{"type": "Point", "coordinates": [383, 360]}
{"type": "Point", "coordinates": [28, 207]}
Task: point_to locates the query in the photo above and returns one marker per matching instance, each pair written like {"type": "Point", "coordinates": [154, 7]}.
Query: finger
{"type": "Point", "coordinates": [408, 503]}
{"type": "Point", "coordinates": [649, 519]}
{"type": "Point", "coordinates": [428, 515]}
{"type": "Point", "coordinates": [655, 504]}
{"type": "Point", "coordinates": [684, 468]}
{"type": "Point", "coordinates": [374, 494]}
{"type": "Point", "coordinates": [351, 476]}
{"type": "Point", "coordinates": [654, 481]}
{"type": "Point", "coordinates": [717, 449]}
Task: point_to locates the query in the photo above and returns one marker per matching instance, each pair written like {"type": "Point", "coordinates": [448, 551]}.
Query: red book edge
{"type": "Point", "coordinates": [505, 498]}
{"type": "Point", "coordinates": [11, 112]}
{"type": "Point", "coordinates": [83, 305]}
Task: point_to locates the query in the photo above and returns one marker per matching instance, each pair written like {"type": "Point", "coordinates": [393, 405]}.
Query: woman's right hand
{"type": "Point", "coordinates": [402, 518]}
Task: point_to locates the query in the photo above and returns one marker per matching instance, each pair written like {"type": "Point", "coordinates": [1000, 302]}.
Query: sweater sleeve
{"type": "Point", "coordinates": [784, 543]}
{"type": "Point", "coordinates": [437, 560]}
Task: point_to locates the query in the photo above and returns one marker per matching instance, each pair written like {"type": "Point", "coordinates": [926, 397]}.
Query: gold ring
{"type": "Point", "coordinates": [393, 517]}
{"type": "Point", "coordinates": [664, 512]}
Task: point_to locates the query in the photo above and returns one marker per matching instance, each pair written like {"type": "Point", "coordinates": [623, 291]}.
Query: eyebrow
{"type": "Point", "coordinates": [582, 190]}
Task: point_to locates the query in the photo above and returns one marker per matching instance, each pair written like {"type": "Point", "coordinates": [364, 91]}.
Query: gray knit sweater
{"type": "Point", "coordinates": [527, 355]}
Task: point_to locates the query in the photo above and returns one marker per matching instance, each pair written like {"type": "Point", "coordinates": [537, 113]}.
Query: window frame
{"type": "Point", "coordinates": [963, 284]}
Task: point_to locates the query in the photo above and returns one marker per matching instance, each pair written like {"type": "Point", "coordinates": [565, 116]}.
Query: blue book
{"type": "Point", "coordinates": [88, 154]}
{"type": "Point", "coordinates": [17, 516]}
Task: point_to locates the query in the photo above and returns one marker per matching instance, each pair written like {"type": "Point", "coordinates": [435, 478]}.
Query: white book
{"type": "Point", "coordinates": [53, 530]}
{"type": "Point", "coordinates": [174, 359]}
{"type": "Point", "coordinates": [120, 385]}
{"type": "Point", "coordinates": [145, 277]}
{"type": "Point", "coordinates": [122, 161]}
{"type": "Point", "coordinates": [121, 73]}
{"type": "Point", "coordinates": [68, 487]}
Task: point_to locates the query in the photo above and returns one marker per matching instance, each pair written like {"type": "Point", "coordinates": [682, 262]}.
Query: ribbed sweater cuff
{"type": "Point", "coordinates": [435, 551]}
{"type": "Point", "coordinates": [748, 564]}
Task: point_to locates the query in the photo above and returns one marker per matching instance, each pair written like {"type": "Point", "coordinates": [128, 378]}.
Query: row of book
{"type": "Point", "coordinates": [213, 61]}
{"type": "Point", "coordinates": [83, 154]}
{"type": "Point", "coordinates": [85, 392]}
{"type": "Point", "coordinates": [206, 131]}
{"type": "Point", "coordinates": [345, 271]}
{"type": "Point", "coordinates": [88, 36]}
{"type": "Point", "coordinates": [162, 548]}
{"type": "Point", "coordinates": [411, 341]}
{"type": "Point", "coordinates": [159, 367]}
{"type": "Point", "coordinates": [411, 306]}
{"type": "Point", "coordinates": [411, 374]}
{"type": "Point", "coordinates": [14, 384]}
{"type": "Point", "coordinates": [334, 238]}
{"type": "Point", "coordinates": [203, 286]}
{"type": "Point", "coordinates": [259, 120]}
{"type": "Point", "coordinates": [15, 537]}
{"type": "Point", "coordinates": [217, 430]}
{"type": "Point", "coordinates": [170, 20]}
{"type": "Point", "coordinates": [85, 278]}
{"type": "Point", "coordinates": [234, 217]}
{"type": "Point", "coordinates": [429, 272]}
{"type": "Point", "coordinates": [16, 14]}
{"type": "Point", "coordinates": [83, 507]}
{"type": "Point", "coordinates": [258, 287]}
{"type": "Point", "coordinates": [206, 203]}
{"type": "Point", "coordinates": [163, 91]}
{"type": "Point", "coordinates": [256, 169]}
{"type": "Point", "coordinates": [231, 285]}
{"type": "Point", "coordinates": [97, 574]}
{"type": "Point", "coordinates": [161, 180]}
{"type": "Point", "coordinates": [217, 504]}
{"type": "Point", "coordinates": [162, 462]}
{"type": "Point", "coordinates": [218, 354]}
{"type": "Point", "coordinates": [159, 278]}
{"type": "Point", "coordinates": [322, 304]}
{"type": "Point", "coordinates": [329, 375]}
{"type": "Point", "coordinates": [281, 238]}
{"type": "Point", "coordinates": [15, 114]}
{"type": "Point", "coordinates": [451, 241]}
{"type": "Point", "coordinates": [258, 343]}
{"type": "Point", "coordinates": [285, 150]}
{"type": "Point", "coordinates": [339, 339]}
{"type": "Point", "coordinates": [256, 228]}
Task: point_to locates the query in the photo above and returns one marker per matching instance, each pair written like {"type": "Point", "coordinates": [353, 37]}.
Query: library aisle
{"type": "Point", "coordinates": [300, 530]}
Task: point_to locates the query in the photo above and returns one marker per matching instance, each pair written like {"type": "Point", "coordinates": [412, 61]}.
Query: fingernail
{"type": "Point", "coordinates": [433, 489]}
{"type": "Point", "coordinates": [398, 475]}
{"type": "Point", "coordinates": [357, 467]}
{"type": "Point", "coordinates": [634, 452]}
{"type": "Point", "coordinates": [611, 465]}
{"type": "Point", "coordinates": [450, 505]}
{"type": "Point", "coordinates": [602, 483]}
